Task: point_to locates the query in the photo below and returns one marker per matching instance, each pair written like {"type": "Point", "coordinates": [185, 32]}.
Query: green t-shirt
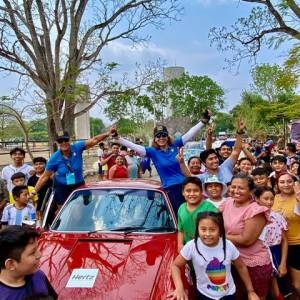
{"type": "Point", "coordinates": [187, 220]}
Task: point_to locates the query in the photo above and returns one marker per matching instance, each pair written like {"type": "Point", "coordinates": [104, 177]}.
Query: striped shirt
{"type": "Point", "coordinates": [15, 216]}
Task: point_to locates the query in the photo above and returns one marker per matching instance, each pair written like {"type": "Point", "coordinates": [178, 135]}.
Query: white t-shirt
{"type": "Point", "coordinates": [14, 216]}
{"type": "Point", "coordinates": [214, 279]}
{"type": "Point", "coordinates": [217, 204]}
{"type": "Point", "coordinates": [10, 170]}
{"type": "Point", "coordinates": [99, 153]}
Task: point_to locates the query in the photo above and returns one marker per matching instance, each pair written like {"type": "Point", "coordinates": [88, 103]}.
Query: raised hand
{"type": "Point", "coordinates": [113, 131]}
{"type": "Point", "coordinates": [240, 127]}
{"type": "Point", "coordinates": [180, 156]}
{"type": "Point", "coordinates": [206, 116]}
{"type": "Point", "coordinates": [210, 129]}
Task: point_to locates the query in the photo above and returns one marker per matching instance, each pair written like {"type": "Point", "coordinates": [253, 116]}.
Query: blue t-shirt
{"type": "Point", "coordinates": [166, 164]}
{"type": "Point", "coordinates": [37, 283]}
{"type": "Point", "coordinates": [62, 166]}
{"type": "Point", "coordinates": [225, 172]}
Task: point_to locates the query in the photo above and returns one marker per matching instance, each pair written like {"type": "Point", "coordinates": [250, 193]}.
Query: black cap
{"type": "Point", "coordinates": [62, 135]}
{"type": "Point", "coordinates": [160, 129]}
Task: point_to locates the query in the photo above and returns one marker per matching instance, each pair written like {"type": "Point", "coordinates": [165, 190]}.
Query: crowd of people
{"type": "Point", "coordinates": [238, 208]}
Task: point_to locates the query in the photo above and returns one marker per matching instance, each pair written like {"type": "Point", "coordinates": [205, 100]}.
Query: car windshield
{"type": "Point", "coordinates": [113, 209]}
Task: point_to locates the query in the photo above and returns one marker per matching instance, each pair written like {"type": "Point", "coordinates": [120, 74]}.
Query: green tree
{"type": "Point", "coordinates": [270, 23]}
{"type": "Point", "coordinates": [96, 126]}
{"type": "Point", "coordinates": [190, 95]}
{"type": "Point", "coordinates": [57, 44]}
{"type": "Point", "coordinates": [273, 81]}
{"type": "Point", "coordinates": [224, 122]}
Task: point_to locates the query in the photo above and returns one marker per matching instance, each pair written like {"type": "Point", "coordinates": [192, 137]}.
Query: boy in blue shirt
{"type": "Point", "coordinates": [19, 263]}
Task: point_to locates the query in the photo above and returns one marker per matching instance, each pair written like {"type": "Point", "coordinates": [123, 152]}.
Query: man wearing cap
{"type": "Point", "coordinates": [67, 166]}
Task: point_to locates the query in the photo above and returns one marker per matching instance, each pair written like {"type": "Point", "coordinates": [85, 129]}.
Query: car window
{"type": "Point", "coordinates": [108, 209]}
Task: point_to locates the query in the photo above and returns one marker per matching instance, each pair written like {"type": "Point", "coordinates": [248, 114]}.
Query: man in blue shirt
{"type": "Point", "coordinates": [67, 166]}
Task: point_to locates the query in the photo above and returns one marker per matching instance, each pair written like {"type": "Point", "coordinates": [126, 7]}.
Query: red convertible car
{"type": "Point", "coordinates": [112, 240]}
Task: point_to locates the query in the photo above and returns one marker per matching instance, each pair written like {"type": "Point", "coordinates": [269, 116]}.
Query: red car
{"type": "Point", "coordinates": [112, 240]}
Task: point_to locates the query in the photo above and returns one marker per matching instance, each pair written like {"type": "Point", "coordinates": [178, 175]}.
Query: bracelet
{"type": "Point", "coordinates": [205, 121]}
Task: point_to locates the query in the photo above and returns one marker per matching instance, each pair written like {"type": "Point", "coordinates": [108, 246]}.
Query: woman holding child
{"type": "Point", "coordinates": [244, 221]}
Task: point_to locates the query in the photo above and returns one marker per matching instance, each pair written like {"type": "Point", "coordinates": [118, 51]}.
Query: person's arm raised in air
{"type": "Point", "coordinates": [141, 150]}
{"type": "Point", "coordinates": [184, 169]}
{"type": "Point", "coordinates": [98, 138]}
{"type": "Point", "coordinates": [238, 146]}
{"type": "Point", "coordinates": [249, 155]}
{"type": "Point", "coordinates": [194, 130]}
{"type": "Point", "coordinates": [209, 136]}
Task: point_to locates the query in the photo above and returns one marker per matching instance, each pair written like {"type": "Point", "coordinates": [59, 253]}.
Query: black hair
{"type": "Point", "coordinates": [245, 177]}
{"type": "Point", "coordinates": [192, 179]}
{"type": "Point", "coordinates": [217, 218]}
{"type": "Point", "coordinates": [193, 157]}
{"type": "Point", "coordinates": [115, 144]}
{"type": "Point", "coordinates": [260, 171]}
{"type": "Point", "coordinates": [260, 190]}
{"type": "Point", "coordinates": [225, 144]}
{"type": "Point", "coordinates": [279, 158]}
{"type": "Point", "coordinates": [17, 149]}
{"type": "Point", "coordinates": [13, 241]}
{"type": "Point", "coordinates": [244, 158]}
{"type": "Point", "coordinates": [101, 144]}
{"type": "Point", "coordinates": [17, 190]}
{"type": "Point", "coordinates": [39, 159]}
{"type": "Point", "coordinates": [291, 147]}
{"type": "Point", "coordinates": [123, 148]}
{"type": "Point", "coordinates": [17, 176]}
{"type": "Point", "coordinates": [204, 154]}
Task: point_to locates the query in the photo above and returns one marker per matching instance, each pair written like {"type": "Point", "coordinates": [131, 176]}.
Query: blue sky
{"type": "Point", "coordinates": [185, 43]}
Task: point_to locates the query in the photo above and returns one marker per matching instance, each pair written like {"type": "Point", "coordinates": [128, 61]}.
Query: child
{"type": "Point", "coordinates": [215, 190]}
{"type": "Point", "coordinates": [260, 177]}
{"type": "Point", "coordinates": [19, 262]}
{"type": "Point", "coordinates": [211, 255]}
{"type": "Point", "coordinates": [105, 166]}
{"type": "Point", "coordinates": [21, 210]}
{"type": "Point", "coordinates": [275, 237]}
{"type": "Point", "coordinates": [18, 179]}
{"type": "Point", "coordinates": [39, 164]}
{"type": "Point", "coordinates": [279, 165]}
{"type": "Point", "coordinates": [187, 212]}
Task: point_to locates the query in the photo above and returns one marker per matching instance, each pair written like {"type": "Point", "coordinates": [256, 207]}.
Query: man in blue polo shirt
{"type": "Point", "coordinates": [67, 166]}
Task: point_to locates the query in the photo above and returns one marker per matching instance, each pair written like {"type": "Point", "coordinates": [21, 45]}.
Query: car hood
{"type": "Point", "coordinates": [128, 267]}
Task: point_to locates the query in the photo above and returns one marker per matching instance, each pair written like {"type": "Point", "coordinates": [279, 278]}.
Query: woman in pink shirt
{"type": "Point", "coordinates": [244, 221]}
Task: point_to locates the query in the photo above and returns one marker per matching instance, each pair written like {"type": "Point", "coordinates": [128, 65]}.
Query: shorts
{"type": "Point", "coordinates": [100, 172]}
{"type": "Point", "coordinates": [276, 255]}
{"type": "Point", "coordinates": [293, 259]}
{"type": "Point", "coordinates": [261, 279]}
{"type": "Point", "coordinates": [63, 191]}
{"type": "Point", "coordinates": [200, 296]}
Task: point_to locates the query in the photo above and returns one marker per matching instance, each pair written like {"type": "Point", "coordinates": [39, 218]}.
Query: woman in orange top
{"type": "Point", "coordinates": [287, 203]}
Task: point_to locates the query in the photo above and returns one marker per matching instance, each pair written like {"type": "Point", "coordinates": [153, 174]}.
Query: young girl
{"type": "Point", "coordinates": [275, 236]}
{"type": "Point", "coordinates": [211, 255]}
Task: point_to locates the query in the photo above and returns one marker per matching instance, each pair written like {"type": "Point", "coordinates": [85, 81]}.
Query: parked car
{"type": "Point", "coordinates": [112, 240]}
{"type": "Point", "coordinates": [193, 149]}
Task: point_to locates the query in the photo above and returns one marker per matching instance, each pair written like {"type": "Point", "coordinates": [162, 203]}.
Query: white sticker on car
{"type": "Point", "coordinates": [82, 278]}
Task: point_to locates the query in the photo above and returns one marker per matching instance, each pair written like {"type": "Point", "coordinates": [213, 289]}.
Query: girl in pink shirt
{"type": "Point", "coordinates": [244, 221]}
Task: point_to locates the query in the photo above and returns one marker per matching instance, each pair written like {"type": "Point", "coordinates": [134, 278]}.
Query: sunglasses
{"type": "Point", "coordinates": [62, 140]}
{"type": "Point", "coordinates": [161, 135]}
